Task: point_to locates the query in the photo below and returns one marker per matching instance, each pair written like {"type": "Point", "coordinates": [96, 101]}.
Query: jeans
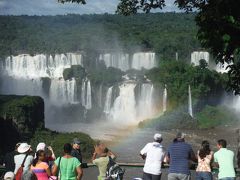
{"type": "Point", "coordinates": [178, 176]}
{"type": "Point", "coordinates": [204, 176]}
{"type": "Point", "coordinates": [228, 178]}
{"type": "Point", "coordinates": [147, 176]}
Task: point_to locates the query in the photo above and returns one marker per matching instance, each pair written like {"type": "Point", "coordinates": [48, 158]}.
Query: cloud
{"type": "Point", "coordinates": [52, 7]}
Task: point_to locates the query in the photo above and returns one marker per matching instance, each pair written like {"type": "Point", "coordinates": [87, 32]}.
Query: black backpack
{"type": "Point", "coordinates": [114, 171]}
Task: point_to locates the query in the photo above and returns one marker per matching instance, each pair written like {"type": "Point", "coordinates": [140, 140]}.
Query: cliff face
{"type": "Point", "coordinates": [20, 116]}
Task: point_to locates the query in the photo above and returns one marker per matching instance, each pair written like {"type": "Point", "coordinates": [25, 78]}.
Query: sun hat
{"type": "Point", "coordinates": [41, 146]}
{"type": "Point", "coordinates": [24, 147]}
{"type": "Point", "coordinates": [76, 141]}
{"type": "Point", "coordinates": [9, 175]}
{"type": "Point", "coordinates": [157, 136]}
{"type": "Point", "coordinates": [180, 135]}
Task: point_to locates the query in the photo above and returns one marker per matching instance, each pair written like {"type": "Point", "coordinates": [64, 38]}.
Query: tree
{"type": "Point", "coordinates": [219, 27]}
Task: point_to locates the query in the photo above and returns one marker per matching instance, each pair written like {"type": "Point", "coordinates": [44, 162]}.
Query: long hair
{"type": "Point", "coordinates": [205, 150]}
{"type": "Point", "coordinates": [38, 153]}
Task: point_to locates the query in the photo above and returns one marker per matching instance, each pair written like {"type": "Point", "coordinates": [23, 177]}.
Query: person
{"type": "Point", "coordinates": [68, 166]}
{"type": "Point", "coordinates": [154, 154]}
{"type": "Point", "coordinates": [39, 167]}
{"type": "Point", "coordinates": [23, 150]}
{"type": "Point", "coordinates": [76, 151]}
{"type": "Point", "coordinates": [179, 153]}
{"type": "Point", "coordinates": [205, 157]}
{"type": "Point", "coordinates": [8, 176]}
{"type": "Point", "coordinates": [49, 154]}
{"type": "Point", "coordinates": [8, 161]}
{"type": "Point", "coordinates": [224, 159]}
{"type": "Point", "coordinates": [102, 161]}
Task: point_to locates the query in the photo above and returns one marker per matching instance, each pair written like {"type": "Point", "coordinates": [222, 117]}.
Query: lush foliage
{"type": "Point", "coordinates": [206, 85]}
{"type": "Point", "coordinates": [211, 117]}
{"type": "Point", "coordinates": [57, 140]}
{"type": "Point", "coordinates": [164, 33]}
{"type": "Point", "coordinates": [74, 71]}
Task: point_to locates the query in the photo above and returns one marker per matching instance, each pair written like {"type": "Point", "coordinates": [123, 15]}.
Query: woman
{"type": "Point", "coordinates": [39, 167]}
{"type": "Point", "coordinates": [205, 156]}
{"type": "Point", "coordinates": [68, 167]}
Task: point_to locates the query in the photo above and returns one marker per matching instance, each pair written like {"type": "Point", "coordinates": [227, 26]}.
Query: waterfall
{"type": "Point", "coordinates": [41, 65]}
{"type": "Point", "coordinates": [123, 109]}
{"type": "Point", "coordinates": [190, 111]}
{"type": "Point", "coordinates": [63, 92]}
{"type": "Point", "coordinates": [108, 102]}
{"type": "Point", "coordinates": [86, 94]}
{"type": "Point", "coordinates": [117, 60]}
{"type": "Point", "coordinates": [222, 68]}
{"type": "Point", "coordinates": [143, 60]}
{"type": "Point", "coordinates": [145, 107]}
{"type": "Point", "coordinates": [165, 99]}
{"type": "Point", "coordinates": [196, 56]}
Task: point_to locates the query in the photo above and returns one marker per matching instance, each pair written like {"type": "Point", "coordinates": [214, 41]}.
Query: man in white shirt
{"type": "Point", "coordinates": [154, 154]}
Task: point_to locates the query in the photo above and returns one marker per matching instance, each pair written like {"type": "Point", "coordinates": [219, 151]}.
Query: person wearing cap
{"type": "Point", "coordinates": [8, 161]}
{"type": "Point", "coordinates": [9, 176]}
{"type": "Point", "coordinates": [154, 154]}
{"type": "Point", "coordinates": [23, 151]}
{"type": "Point", "coordinates": [76, 151]}
{"type": "Point", "coordinates": [178, 155]}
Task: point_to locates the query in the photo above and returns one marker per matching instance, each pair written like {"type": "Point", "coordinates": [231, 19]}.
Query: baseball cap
{"type": "Point", "coordinates": [157, 136]}
{"type": "Point", "coordinates": [76, 141]}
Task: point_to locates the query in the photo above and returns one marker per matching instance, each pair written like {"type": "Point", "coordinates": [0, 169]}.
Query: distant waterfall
{"type": "Point", "coordinates": [145, 106]}
{"type": "Point", "coordinates": [123, 109]}
{"type": "Point", "coordinates": [222, 68]}
{"type": "Point", "coordinates": [165, 99]}
{"type": "Point", "coordinates": [196, 56]}
{"type": "Point", "coordinates": [86, 94]}
{"type": "Point", "coordinates": [63, 92]}
{"type": "Point", "coordinates": [190, 111]}
{"type": "Point", "coordinates": [108, 102]}
{"type": "Point", "coordinates": [143, 60]}
{"type": "Point", "coordinates": [41, 65]}
{"type": "Point", "coordinates": [117, 60]}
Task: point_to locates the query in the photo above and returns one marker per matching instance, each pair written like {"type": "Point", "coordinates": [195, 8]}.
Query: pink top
{"type": "Point", "coordinates": [40, 170]}
{"type": "Point", "coordinates": [204, 164]}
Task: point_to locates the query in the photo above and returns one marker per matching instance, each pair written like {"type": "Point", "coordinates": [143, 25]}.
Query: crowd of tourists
{"type": "Point", "coordinates": [179, 154]}
{"type": "Point", "coordinates": [24, 164]}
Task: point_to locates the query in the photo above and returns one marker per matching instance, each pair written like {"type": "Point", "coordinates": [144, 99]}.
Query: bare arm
{"type": "Point", "coordinates": [79, 173]}
{"type": "Point", "coordinates": [54, 169]}
{"type": "Point", "coordinates": [94, 156]}
{"type": "Point", "coordinates": [48, 171]}
{"type": "Point", "coordinates": [112, 155]}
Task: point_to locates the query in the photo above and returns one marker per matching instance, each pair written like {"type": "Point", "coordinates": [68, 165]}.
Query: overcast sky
{"type": "Point", "coordinates": [52, 7]}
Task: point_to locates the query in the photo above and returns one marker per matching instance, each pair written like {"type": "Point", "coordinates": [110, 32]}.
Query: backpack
{"type": "Point", "coordinates": [114, 171]}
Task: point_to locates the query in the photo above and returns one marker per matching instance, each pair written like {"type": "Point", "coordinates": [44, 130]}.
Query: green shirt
{"type": "Point", "coordinates": [225, 158]}
{"type": "Point", "coordinates": [68, 167]}
{"type": "Point", "coordinates": [101, 163]}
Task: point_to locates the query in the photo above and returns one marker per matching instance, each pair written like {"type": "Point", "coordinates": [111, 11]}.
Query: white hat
{"type": "Point", "coordinates": [24, 147]}
{"type": "Point", "coordinates": [41, 146]}
{"type": "Point", "coordinates": [9, 175]}
{"type": "Point", "coordinates": [157, 136]}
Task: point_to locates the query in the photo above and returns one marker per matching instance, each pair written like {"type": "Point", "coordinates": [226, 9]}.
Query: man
{"type": "Point", "coordinates": [154, 154]}
{"type": "Point", "coordinates": [9, 159]}
{"type": "Point", "coordinates": [224, 159]}
{"type": "Point", "coordinates": [179, 153]}
{"type": "Point", "coordinates": [76, 152]}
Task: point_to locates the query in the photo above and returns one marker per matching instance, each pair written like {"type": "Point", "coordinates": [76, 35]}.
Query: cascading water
{"type": "Point", "coordinates": [108, 102]}
{"type": "Point", "coordinates": [165, 99]}
{"type": "Point", "coordinates": [143, 60]}
{"type": "Point", "coordinates": [117, 60]}
{"type": "Point", "coordinates": [86, 94]}
{"type": "Point", "coordinates": [190, 111]}
{"type": "Point", "coordinates": [196, 56]}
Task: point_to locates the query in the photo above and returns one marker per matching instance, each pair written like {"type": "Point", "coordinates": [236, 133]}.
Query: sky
{"type": "Point", "coordinates": [52, 7]}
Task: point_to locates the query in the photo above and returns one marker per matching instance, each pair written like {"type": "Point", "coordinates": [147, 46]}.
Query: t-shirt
{"type": "Point", "coordinates": [68, 167]}
{"type": "Point", "coordinates": [102, 163]}
{"type": "Point", "coordinates": [179, 153]}
{"type": "Point", "coordinates": [40, 169]}
{"type": "Point", "coordinates": [154, 156]}
{"type": "Point", "coordinates": [225, 158]}
{"type": "Point", "coordinates": [18, 159]}
{"type": "Point", "coordinates": [9, 161]}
